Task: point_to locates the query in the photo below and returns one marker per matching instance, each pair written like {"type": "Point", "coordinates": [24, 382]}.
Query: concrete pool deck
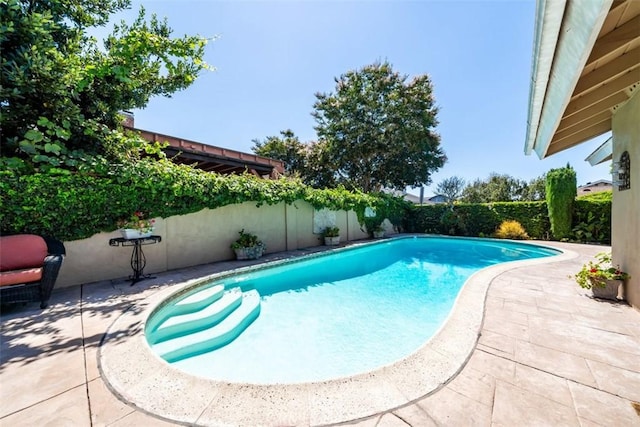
{"type": "Point", "coordinates": [547, 354]}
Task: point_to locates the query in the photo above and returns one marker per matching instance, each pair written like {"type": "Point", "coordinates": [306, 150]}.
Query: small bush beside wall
{"type": "Point", "coordinates": [533, 216]}
{"type": "Point", "coordinates": [511, 230]}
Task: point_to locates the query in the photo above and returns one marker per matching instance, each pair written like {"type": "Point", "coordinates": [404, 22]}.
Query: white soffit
{"type": "Point", "coordinates": [580, 26]}
{"type": "Point", "coordinates": [602, 154]}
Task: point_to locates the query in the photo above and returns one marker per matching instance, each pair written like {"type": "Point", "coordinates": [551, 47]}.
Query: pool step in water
{"type": "Point", "coordinates": [214, 337]}
{"type": "Point", "coordinates": [192, 303]}
{"type": "Point", "coordinates": [199, 319]}
{"type": "Point", "coordinates": [200, 299]}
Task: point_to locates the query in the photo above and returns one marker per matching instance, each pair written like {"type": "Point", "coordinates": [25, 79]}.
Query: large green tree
{"type": "Point", "coordinates": [62, 93]}
{"type": "Point", "coordinates": [535, 190]}
{"type": "Point", "coordinates": [286, 148]}
{"type": "Point", "coordinates": [451, 187]}
{"type": "Point", "coordinates": [378, 129]}
{"type": "Point", "coordinates": [496, 188]}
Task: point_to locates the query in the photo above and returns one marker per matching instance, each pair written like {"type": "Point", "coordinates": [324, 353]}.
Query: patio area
{"type": "Point", "coordinates": [548, 354]}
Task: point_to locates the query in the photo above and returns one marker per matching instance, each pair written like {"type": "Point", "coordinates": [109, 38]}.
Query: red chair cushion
{"type": "Point", "coordinates": [22, 251]}
{"type": "Point", "coordinates": [17, 277]}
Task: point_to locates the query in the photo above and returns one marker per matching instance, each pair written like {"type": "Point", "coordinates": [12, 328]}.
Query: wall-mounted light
{"type": "Point", "coordinates": [621, 170]}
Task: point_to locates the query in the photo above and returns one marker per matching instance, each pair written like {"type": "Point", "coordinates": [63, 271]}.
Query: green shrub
{"type": "Point", "coordinates": [478, 218]}
{"type": "Point", "coordinates": [453, 223]}
{"type": "Point", "coordinates": [425, 218]}
{"type": "Point", "coordinates": [600, 196]}
{"type": "Point", "coordinates": [592, 220]}
{"type": "Point", "coordinates": [511, 230]}
{"type": "Point", "coordinates": [331, 232]}
{"type": "Point", "coordinates": [532, 215]}
{"type": "Point", "coordinates": [560, 188]}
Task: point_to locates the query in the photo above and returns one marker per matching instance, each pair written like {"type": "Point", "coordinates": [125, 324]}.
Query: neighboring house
{"type": "Point", "coordinates": [437, 199]}
{"type": "Point", "coordinates": [411, 198]}
{"type": "Point", "coordinates": [211, 158]}
{"type": "Point", "coordinates": [595, 187]}
{"type": "Point", "coordinates": [427, 201]}
{"type": "Point", "coordinates": [585, 83]}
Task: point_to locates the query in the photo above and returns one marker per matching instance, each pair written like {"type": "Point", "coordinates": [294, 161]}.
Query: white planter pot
{"type": "Point", "coordinates": [130, 233]}
{"type": "Point", "coordinates": [253, 252]}
{"type": "Point", "coordinates": [332, 241]}
{"type": "Point", "coordinates": [610, 291]}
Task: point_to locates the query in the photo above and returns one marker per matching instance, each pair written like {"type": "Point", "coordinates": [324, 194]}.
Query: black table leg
{"type": "Point", "coordinates": [138, 262]}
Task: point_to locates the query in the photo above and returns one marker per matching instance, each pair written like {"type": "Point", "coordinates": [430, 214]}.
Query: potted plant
{"type": "Point", "coordinates": [378, 232]}
{"type": "Point", "coordinates": [602, 277]}
{"type": "Point", "coordinates": [331, 236]}
{"type": "Point", "coordinates": [247, 246]}
{"type": "Point", "coordinates": [137, 226]}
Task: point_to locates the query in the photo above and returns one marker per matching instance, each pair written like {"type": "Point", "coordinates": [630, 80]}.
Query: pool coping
{"type": "Point", "coordinates": [138, 377]}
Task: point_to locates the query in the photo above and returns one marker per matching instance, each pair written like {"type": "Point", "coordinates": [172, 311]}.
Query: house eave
{"type": "Point", "coordinates": [601, 154]}
{"type": "Point", "coordinates": [562, 113]}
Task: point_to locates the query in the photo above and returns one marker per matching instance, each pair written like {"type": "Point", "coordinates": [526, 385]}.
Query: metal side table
{"type": "Point", "coordinates": [138, 260]}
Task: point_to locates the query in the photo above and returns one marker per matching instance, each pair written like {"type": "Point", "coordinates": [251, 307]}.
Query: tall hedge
{"type": "Point", "coordinates": [561, 191]}
{"type": "Point", "coordinates": [478, 219]}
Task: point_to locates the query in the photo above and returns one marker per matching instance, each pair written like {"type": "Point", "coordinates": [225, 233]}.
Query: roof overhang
{"type": "Point", "coordinates": [586, 64]}
{"type": "Point", "coordinates": [602, 154]}
{"type": "Point", "coordinates": [214, 159]}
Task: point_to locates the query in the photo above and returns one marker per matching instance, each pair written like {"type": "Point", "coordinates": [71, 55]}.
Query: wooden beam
{"type": "Point", "coordinates": [608, 71]}
{"type": "Point", "coordinates": [616, 39]}
{"type": "Point", "coordinates": [619, 84]}
{"type": "Point", "coordinates": [617, 10]}
{"type": "Point", "coordinates": [604, 105]}
{"type": "Point", "coordinates": [570, 129]}
{"type": "Point", "coordinates": [579, 137]}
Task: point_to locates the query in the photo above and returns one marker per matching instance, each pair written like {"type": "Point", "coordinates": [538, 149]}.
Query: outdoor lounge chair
{"type": "Point", "coordinates": [29, 266]}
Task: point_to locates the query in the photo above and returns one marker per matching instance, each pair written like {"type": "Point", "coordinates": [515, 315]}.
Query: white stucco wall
{"type": "Point", "coordinates": [625, 215]}
{"type": "Point", "coordinates": [200, 238]}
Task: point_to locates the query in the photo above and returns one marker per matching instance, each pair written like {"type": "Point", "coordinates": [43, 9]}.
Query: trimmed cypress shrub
{"type": "Point", "coordinates": [561, 191]}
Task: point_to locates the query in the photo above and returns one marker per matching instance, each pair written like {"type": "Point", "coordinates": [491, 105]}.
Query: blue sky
{"type": "Point", "coordinates": [271, 57]}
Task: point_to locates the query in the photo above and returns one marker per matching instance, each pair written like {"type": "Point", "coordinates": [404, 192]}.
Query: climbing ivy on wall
{"type": "Point", "coordinates": [72, 205]}
{"type": "Point", "coordinates": [560, 189]}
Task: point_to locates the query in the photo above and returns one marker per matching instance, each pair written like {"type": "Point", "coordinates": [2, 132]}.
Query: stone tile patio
{"type": "Point", "coordinates": [548, 354]}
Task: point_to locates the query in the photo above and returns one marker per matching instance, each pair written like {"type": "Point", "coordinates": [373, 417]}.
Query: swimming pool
{"type": "Point", "coordinates": [139, 377]}
{"type": "Point", "coordinates": [323, 317]}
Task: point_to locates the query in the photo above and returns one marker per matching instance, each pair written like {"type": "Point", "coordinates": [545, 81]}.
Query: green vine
{"type": "Point", "coordinates": [77, 205]}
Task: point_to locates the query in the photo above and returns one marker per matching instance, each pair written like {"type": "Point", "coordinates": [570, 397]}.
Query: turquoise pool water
{"type": "Point", "coordinates": [327, 316]}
